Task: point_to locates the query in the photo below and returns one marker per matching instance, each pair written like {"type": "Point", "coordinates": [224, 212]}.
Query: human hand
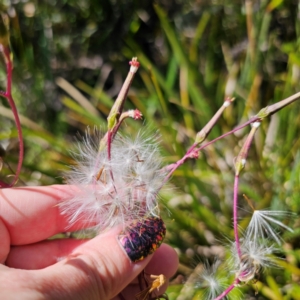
{"type": "Point", "coordinates": [37, 268]}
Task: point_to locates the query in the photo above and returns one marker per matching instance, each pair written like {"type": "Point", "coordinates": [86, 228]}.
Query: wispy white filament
{"type": "Point", "coordinates": [261, 223]}
{"type": "Point", "coordinates": [116, 190]}
{"type": "Point", "coordinates": [255, 256]}
{"type": "Point", "coordinates": [211, 281]}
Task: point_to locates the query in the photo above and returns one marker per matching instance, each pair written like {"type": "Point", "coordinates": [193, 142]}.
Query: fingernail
{"type": "Point", "coordinates": [142, 238]}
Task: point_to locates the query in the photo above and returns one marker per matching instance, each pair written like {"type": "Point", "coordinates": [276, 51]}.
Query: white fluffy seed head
{"type": "Point", "coordinates": [255, 256]}
{"type": "Point", "coordinates": [211, 280]}
{"type": "Point", "coordinates": [108, 192]}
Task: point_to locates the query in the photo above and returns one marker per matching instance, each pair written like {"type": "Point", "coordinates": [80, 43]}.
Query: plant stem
{"type": "Point", "coordinates": [263, 113]}
{"type": "Point", "coordinates": [201, 135]}
{"type": "Point", "coordinates": [235, 215]}
{"type": "Point", "coordinates": [117, 108]}
{"type": "Point", "coordinates": [271, 109]}
{"type": "Point", "coordinates": [228, 290]}
{"type": "Point", "coordinates": [116, 117]}
{"type": "Point", "coordinates": [193, 150]}
{"type": "Point", "coordinates": [7, 94]}
{"type": "Point", "coordinates": [239, 166]}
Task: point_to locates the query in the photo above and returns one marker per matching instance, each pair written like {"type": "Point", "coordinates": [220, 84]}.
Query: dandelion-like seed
{"type": "Point", "coordinates": [115, 190]}
{"type": "Point", "coordinates": [211, 280]}
{"type": "Point", "coordinates": [254, 257]}
{"type": "Point", "coordinates": [260, 225]}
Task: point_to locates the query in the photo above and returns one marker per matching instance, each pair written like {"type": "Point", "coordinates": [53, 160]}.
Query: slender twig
{"type": "Point", "coordinates": [116, 115]}
{"type": "Point", "coordinates": [271, 109]}
{"type": "Point", "coordinates": [194, 150]}
{"type": "Point", "coordinates": [235, 215]}
{"type": "Point", "coordinates": [228, 290]}
{"type": "Point", "coordinates": [239, 166]}
{"type": "Point", "coordinates": [201, 135]}
{"type": "Point", "coordinates": [5, 50]}
{"type": "Point", "coordinates": [116, 111]}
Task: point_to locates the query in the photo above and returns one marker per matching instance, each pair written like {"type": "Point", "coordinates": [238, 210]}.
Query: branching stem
{"type": "Point", "coordinates": [194, 149]}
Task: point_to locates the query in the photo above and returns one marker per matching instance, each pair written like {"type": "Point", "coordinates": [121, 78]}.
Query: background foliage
{"type": "Point", "coordinates": [70, 59]}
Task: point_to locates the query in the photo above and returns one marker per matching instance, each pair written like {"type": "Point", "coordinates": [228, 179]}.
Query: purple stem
{"type": "Point", "coordinates": [235, 215]}
{"type": "Point", "coordinates": [240, 163]}
{"type": "Point", "coordinates": [109, 142]}
{"type": "Point", "coordinates": [228, 290]}
{"type": "Point", "coordinates": [7, 94]}
{"type": "Point", "coordinates": [194, 148]}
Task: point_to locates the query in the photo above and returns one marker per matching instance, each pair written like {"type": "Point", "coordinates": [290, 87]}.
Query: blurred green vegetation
{"type": "Point", "coordinates": [70, 59]}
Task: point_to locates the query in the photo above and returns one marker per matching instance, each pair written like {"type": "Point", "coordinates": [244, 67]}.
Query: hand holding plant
{"type": "Point", "coordinates": [65, 268]}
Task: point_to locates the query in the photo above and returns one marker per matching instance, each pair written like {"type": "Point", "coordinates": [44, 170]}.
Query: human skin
{"type": "Point", "coordinates": [34, 267]}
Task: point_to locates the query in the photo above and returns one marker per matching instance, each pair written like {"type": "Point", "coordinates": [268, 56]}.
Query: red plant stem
{"type": "Point", "coordinates": [204, 132]}
{"type": "Point", "coordinates": [117, 108]}
{"type": "Point", "coordinates": [175, 166]}
{"type": "Point", "coordinates": [235, 215]}
{"type": "Point", "coordinates": [7, 94]}
{"type": "Point", "coordinates": [113, 118]}
{"type": "Point", "coordinates": [228, 290]}
{"type": "Point", "coordinates": [109, 142]}
{"type": "Point", "coordinates": [239, 166]}
{"type": "Point", "coordinates": [271, 109]}
{"type": "Point", "coordinates": [263, 113]}
{"type": "Point", "coordinates": [242, 156]}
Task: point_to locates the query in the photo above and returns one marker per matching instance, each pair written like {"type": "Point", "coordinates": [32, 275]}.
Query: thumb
{"type": "Point", "coordinates": [102, 267]}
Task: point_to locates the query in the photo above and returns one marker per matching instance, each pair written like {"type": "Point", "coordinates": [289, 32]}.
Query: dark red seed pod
{"type": "Point", "coordinates": [143, 237]}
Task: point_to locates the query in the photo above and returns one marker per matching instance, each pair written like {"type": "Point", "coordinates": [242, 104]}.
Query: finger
{"type": "Point", "coordinates": [98, 269]}
{"type": "Point", "coordinates": [31, 214]}
{"type": "Point", "coordinates": [167, 257]}
{"type": "Point", "coordinates": [41, 255]}
{"type": "Point", "coordinates": [44, 254]}
{"type": "Point", "coordinates": [4, 238]}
